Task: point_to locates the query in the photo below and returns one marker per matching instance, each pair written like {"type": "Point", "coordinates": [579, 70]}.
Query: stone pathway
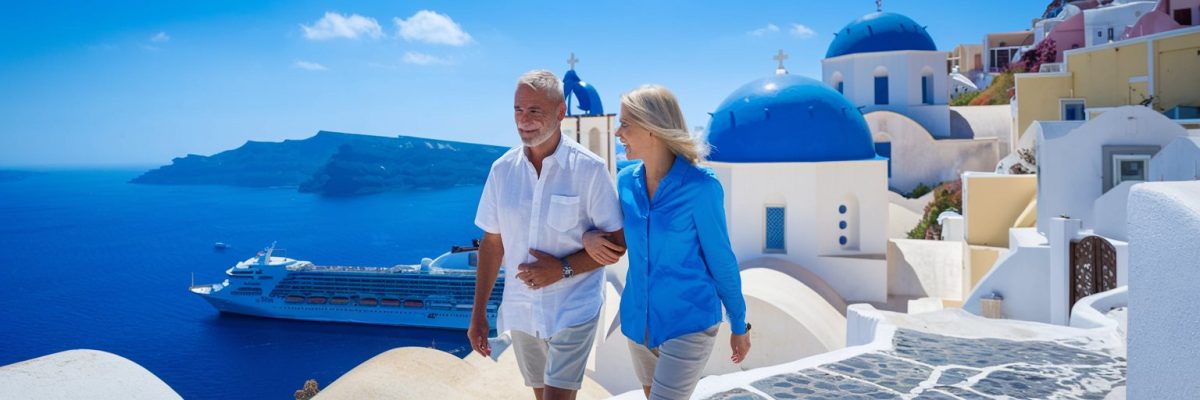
{"type": "Point", "coordinates": [928, 366]}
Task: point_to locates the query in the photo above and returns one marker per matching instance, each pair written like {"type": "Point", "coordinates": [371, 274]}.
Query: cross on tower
{"type": "Point", "coordinates": [572, 61]}
{"type": "Point", "coordinates": [878, 5]}
{"type": "Point", "coordinates": [780, 57]}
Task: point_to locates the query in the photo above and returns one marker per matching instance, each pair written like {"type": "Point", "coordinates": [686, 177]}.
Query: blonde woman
{"type": "Point", "coordinates": [681, 267]}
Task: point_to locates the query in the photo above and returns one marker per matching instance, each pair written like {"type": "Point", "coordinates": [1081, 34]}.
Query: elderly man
{"type": "Point", "coordinates": [538, 201]}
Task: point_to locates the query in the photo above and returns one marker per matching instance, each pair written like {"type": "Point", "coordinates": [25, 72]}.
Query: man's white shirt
{"type": "Point", "coordinates": [550, 213]}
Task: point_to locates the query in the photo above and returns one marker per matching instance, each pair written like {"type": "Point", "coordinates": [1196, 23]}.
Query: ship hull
{"type": "Point", "coordinates": [351, 313]}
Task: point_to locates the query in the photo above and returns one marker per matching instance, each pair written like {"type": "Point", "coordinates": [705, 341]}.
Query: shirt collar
{"type": "Point", "coordinates": [559, 155]}
{"type": "Point", "coordinates": [678, 169]}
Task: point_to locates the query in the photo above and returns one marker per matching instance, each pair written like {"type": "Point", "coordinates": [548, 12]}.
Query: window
{"type": "Point", "coordinates": [775, 230]}
{"type": "Point", "coordinates": [841, 87]}
{"type": "Point", "coordinates": [1129, 167]}
{"type": "Point", "coordinates": [1125, 163]}
{"type": "Point", "coordinates": [1183, 16]}
{"type": "Point", "coordinates": [881, 89]}
{"type": "Point", "coordinates": [1073, 110]}
{"type": "Point", "coordinates": [927, 89]}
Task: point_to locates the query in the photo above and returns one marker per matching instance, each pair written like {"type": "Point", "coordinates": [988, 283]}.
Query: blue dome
{"type": "Point", "coordinates": [788, 118]}
{"type": "Point", "coordinates": [881, 31]}
{"type": "Point", "coordinates": [585, 94]}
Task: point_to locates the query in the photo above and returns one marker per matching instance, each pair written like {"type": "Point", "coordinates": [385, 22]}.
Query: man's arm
{"type": "Point", "coordinates": [547, 269]}
{"type": "Point", "coordinates": [491, 253]}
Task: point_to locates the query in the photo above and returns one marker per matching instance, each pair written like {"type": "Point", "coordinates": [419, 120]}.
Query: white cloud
{"type": "Point", "coordinates": [338, 26]}
{"type": "Point", "coordinates": [161, 37]}
{"type": "Point", "coordinates": [412, 57]}
{"type": "Point", "coordinates": [310, 66]}
{"type": "Point", "coordinates": [769, 29]}
{"type": "Point", "coordinates": [431, 27]}
{"type": "Point", "coordinates": [801, 31]}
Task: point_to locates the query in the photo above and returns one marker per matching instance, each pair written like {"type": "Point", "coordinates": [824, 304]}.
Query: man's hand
{"type": "Point", "coordinates": [542, 272]}
{"type": "Point", "coordinates": [478, 333]}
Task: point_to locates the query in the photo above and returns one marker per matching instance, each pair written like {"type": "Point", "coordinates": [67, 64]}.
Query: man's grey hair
{"type": "Point", "coordinates": [544, 81]}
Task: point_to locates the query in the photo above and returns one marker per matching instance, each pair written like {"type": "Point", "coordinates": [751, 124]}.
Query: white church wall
{"type": "Point", "coordinates": [1164, 222]}
{"type": "Point", "coordinates": [813, 194]}
{"type": "Point", "coordinates": [904, 70]}
{"type": "Point", "coordinates": [594, 132]}
{"type": "Point", "coordinates": [917, 158]}
{"type": "Point", "coordinates": [1071, 164]}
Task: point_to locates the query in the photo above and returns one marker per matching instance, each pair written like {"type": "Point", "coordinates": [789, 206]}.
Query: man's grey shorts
{"type": "Point", "coordinates": [673, 368]}
{"type": "Point", "coordinates": [557, 361]}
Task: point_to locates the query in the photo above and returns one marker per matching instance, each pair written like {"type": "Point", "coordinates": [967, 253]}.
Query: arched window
{"type": "Point", "coordinates": [881, 85]}
{"type": "Point", "coordinates": [838, 83]}
{"type": "Point", "coordinates": [594, 142]}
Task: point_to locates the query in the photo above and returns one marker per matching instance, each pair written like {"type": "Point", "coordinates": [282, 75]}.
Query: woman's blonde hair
{"type": "Point", "coordinates": [655, 109]}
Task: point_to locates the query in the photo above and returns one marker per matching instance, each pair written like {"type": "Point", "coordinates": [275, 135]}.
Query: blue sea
{"type": "Point", "coordinates": [88, 261]}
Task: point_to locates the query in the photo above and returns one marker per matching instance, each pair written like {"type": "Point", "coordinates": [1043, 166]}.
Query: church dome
{"type": "Point", "coordinates": [880, 31]}
{"type": "Point", "coordinates": [788, 118]}
{"type": "Point", "coordinates": [586, 97]}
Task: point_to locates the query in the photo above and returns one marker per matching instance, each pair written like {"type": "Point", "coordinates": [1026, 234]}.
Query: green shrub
{"type": "Point", "coordinates": [947, 196]}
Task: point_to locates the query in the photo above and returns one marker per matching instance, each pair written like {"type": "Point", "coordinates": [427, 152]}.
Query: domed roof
{"type": "Point", "coordinates": [788, 118]}
{"type": "Point", "coordinates": [880, 31]}
{"type": "Point", "coordinates": [585, 94]}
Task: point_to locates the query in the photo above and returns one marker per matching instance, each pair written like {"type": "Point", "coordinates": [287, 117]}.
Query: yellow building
{"type": "Point", "coordinates": [1162, 69]}
{"type": "Point", "coordinates": [967, 57]}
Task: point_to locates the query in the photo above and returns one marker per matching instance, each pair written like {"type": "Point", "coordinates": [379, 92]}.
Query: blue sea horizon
{"type": "Point", "coordinates": [94, 262]}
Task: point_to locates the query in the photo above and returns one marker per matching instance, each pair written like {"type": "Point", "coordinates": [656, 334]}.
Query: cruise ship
{"type": "Point", "coordinates": [436, 293]}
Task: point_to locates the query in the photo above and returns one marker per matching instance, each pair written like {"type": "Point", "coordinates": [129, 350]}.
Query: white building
{"type": "Point", "coordinates": [1087, 171]}
{"type": "Point", "coordinates": [593, 129]}
{"type": "Point", "coordinates": [803, 185]}
{"type": "Point", "coordinates": [887, 65]}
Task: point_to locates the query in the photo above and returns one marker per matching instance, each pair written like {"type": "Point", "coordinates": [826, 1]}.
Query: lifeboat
{"type": "Point", "coordinates": [317, 299]}
{"type": "Point", "coordinates": [339, 300]}
{"type": "Point", "coordinates": [294, 299]}
{"type": "Point", "coordinates": [368, 301]}
{"type": "Point", "coordinates": [390, 302]}
{"type": "Point", "coordinates": [413, 303]}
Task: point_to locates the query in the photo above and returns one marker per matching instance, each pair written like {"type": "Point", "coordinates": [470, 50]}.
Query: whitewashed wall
{"type": "Point", "coordinates": [1164, 222]}
{"type": "Point", "coordinates": [918, 158]}
{"type": "Point", "coordinates": [1071, 164]}
{"type": "Point", "coordinates": [812, 193]}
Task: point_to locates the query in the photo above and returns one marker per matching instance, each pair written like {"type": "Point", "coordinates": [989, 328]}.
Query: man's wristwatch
{"type": "Point", "coordinates": [567, 271]}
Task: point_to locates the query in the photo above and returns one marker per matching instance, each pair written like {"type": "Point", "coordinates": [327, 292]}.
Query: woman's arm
{"type": "Point", "coordinates": [718, 255]}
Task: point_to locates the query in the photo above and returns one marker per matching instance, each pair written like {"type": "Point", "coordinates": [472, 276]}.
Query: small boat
{"type": "Point", "coordinates": [317, 299]}
{"type": "Point", "coordinates": [368, 301]}
{"type": "Point", "coordinates": [339, 300]}
{"type": "Point", "coordinates": [294, 299]}
{"type": "Point", "coordinates": [390, 302]}
{"type": "Point", "coordinates": [220, 246]}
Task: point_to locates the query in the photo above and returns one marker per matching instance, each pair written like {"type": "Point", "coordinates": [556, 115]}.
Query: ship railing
{"type": "Point", "coordinates": [346, 268]}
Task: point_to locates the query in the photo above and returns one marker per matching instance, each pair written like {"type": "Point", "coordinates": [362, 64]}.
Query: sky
{"type": "Point", "coordinates": [137, 83]}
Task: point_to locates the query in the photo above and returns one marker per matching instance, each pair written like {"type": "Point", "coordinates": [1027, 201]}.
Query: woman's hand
{"type": "Point", "coordinates": [601, 248]}
{"type": "Point", "coordinates": [740, 344]}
